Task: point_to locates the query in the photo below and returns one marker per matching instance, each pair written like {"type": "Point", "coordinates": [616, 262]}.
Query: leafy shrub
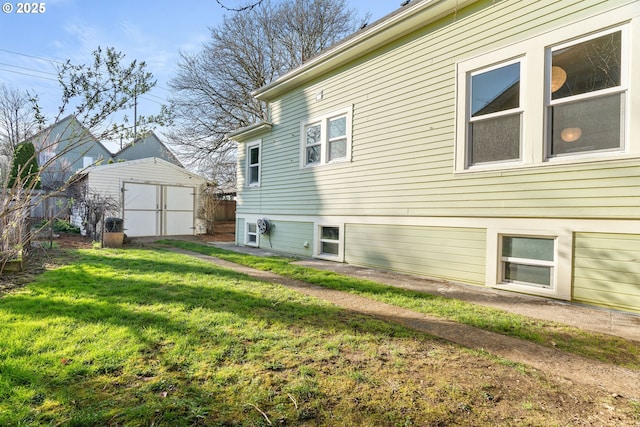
{"type": "Point", "coordinates": [60, 226]}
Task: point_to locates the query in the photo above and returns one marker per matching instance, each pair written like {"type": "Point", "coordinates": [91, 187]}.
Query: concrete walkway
{"type": "Point", "coordinates": [617, 323]}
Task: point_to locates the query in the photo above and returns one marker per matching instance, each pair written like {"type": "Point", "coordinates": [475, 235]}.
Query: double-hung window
{"type": "Point", "coordinates": [326, 139]}
{"type": "Point", "coordinates": [330, 242]}
{"type": "Point", "coordinates": [586, 95]}
{"type": "Point", "coordinates": [560, 97]}
{"type": "Point", "coordinates": [252, 234]}
{"type": "Point", "coordinates": [253, 163]}
{"type": "Point", "coordinates": [495, 114]}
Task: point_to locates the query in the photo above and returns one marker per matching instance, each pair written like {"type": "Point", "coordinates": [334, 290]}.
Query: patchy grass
{"type": "Point", "coordinates": [573, 340]}
{"type": "Point", "coordinates": [149, 337]}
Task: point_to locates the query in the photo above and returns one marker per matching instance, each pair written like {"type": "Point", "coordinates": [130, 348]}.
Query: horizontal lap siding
{"type": "Point", "coordinates": [289, 237]}
{"type": "Point", "coordinates": [607, 270]}
{"type": "Point", "coordinates": [403, 98]}
{"type": "Point", "coordinates": [454, 254]}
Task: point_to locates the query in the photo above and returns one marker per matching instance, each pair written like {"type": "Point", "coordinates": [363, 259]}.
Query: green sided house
{"type": "Point", "coordinates": [494, 143]}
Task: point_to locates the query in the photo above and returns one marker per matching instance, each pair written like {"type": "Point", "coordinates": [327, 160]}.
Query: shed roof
{"type": "Point", "coordinates": [133, 163]}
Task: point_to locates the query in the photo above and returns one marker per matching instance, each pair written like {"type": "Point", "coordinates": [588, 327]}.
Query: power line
{"type": "Point", "coordinates": [53, 61]}
{"type": "Point", "coordinates": [30, 75]}
{"type": "Point", "coordinates": [151, 100]}
{"type": "Point", "coordinates": [28, 69]}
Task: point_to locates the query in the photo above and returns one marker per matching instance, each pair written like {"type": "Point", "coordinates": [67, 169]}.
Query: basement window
{"type": "Point", "coordinates": [252, 234]}
{"type": "Point", "coordinates": [528, 260]}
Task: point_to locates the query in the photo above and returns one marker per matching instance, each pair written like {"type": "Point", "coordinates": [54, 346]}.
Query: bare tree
{"type": "Point", "coordinates": [240, 8]}
{"type": "Point", "coordinates": [307, 27]}
{"type": "Point", "coordinates": [212, 89]}
{"type": "Point", "coordinates": [17, 123]}
{"type": "Point", "coordinates": [93, 93]}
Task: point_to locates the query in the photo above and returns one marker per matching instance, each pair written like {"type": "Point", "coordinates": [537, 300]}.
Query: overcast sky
{"type": "Point", "coordinates": [32, 45]}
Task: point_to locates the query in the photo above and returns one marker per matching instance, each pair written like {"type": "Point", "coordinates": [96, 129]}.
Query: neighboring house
{"type": "Point", "coordinates": [65, 148]}
{"type": "Point", "coordinates": [149, 146]}
{"type": "Point", "coordinates": [494, 143]}
{"type": "Point", "coordinates": [152, 196]}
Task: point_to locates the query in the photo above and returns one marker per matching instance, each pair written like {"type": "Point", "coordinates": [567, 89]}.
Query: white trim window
{"type": "Point", "coordinates": [326, 139]}
{"type": "Point", "coordinates": [528, 260]}
{"type": "Point", "coordinates": [251, 234]}
{"type": "Point", "coordinates": [531, 260]}
{"type": "Point", "coordinates": [494, 116]}
{"type": "Point", "coordinates": [87, 162]}
{"type": "Point", "coordinates": [253, 160]}
{"type": "Point", "coordinates": [330, 242]}
{"type": "Point", "coordinates": [586, 95]}
{"type": "Point", "coordinates": [561, 97]}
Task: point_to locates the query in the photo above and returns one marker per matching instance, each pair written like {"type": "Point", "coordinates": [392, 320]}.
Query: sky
{"type": "Point", "coordinates": [34, 45]}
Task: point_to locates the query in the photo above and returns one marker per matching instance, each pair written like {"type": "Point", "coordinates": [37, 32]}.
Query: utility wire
{"type": "Point", "coordinates": [27, 74]}
{"type": "Point", "coordinates": [28, 69]}
{"type": "Point", "coordinates": [53, 61]}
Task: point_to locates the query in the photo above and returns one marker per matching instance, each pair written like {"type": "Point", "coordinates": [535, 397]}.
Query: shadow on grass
{"type": "Point", "coordinates": [598, 346]}
{"type": "Point", "coordinates": [169, 294]}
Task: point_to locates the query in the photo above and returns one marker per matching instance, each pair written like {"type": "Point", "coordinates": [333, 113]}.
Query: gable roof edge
{"type": "Point", "coordinates": [250, 131]}
{"type": "Point", "coordinates": [386, 30]}
{"type": "Point", "coordinates": [155, 160]}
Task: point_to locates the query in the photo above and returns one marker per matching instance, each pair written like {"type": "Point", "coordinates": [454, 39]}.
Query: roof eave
{"type": "Point", "coordinates": [250, 131]}
{"type": "Point", "coordinates": [407, 20]}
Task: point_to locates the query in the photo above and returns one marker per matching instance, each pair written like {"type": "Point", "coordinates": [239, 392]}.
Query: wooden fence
{"type": "Point", "coordinates": [225, 210]}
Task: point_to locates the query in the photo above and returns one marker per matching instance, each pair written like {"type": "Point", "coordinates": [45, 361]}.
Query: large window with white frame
{"type": "Point", "coordinates": [253, 159]}
{"type": "Point", "coordinates": [326, 139]}
{"type": "Point", "coordinates": [559, 97]}
{"type": "Point", "coordinates": [587, 94]}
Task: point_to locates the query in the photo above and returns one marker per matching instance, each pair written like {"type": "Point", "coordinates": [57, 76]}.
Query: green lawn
{"type": "Point", "coordinates": [602, 347]}
{"type": "Point", "coordinates": [149, 337]}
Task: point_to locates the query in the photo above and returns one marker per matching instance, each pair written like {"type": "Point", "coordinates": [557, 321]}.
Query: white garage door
{"type": "Point", "coordinates": [154, 210]}
{"type": "Point", "coordinates": [141, 209]}
{"type": "Point", "coordinates": [178, 212]}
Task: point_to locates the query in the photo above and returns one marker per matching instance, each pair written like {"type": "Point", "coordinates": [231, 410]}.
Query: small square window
{"type": "Point", "coordinates": [528, 260]}
{"type": "Point", "coordinates": [330, 241]}
{"type": "Point", "coordinates": [87, 161]}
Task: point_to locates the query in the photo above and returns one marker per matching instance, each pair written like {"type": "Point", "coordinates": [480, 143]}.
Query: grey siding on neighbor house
{"type": "Point", "coordinates": [150, 146]}
{"type": "Point", "coordinates": [71, 143]}
{"type": "Point", "coordinates": [456, 254]}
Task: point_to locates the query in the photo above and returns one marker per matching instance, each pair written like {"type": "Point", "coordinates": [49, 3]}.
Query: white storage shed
{"type": "Point", "coordinates": [155, 197]}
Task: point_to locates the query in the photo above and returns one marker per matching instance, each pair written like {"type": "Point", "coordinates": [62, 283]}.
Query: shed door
{"type": "Point", "coordinates": [178, 210]}
{"type": "Point", "coordinates": [141, 209]}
